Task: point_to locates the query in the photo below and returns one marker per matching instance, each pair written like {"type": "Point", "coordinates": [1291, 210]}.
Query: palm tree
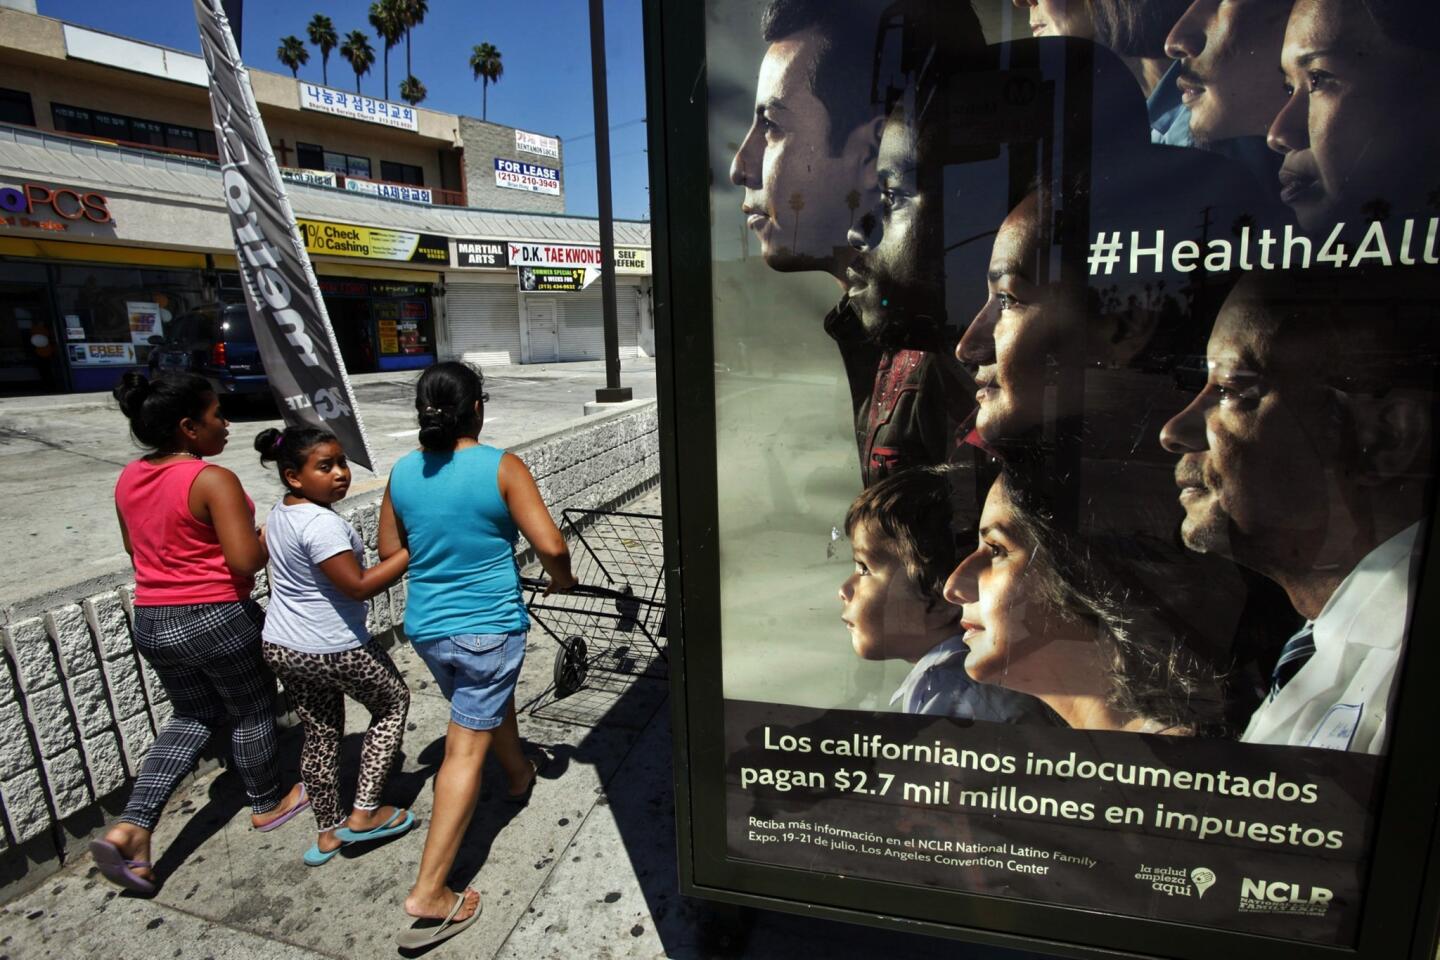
{"type": "Point", "coordinates": [412, 14]}
{"type": "Point", "coordinates": [293, 54]}
{"type": "Point", "coordinates": [412, 91]}
{"type": "Point", "coordinates": [385, 18]}
{"type": "Point", "coordinates": [357, 50]}
{"type": "Point", "coordinates": [322, 33]}
{"type": "Point", "coordinates": [485, 62]}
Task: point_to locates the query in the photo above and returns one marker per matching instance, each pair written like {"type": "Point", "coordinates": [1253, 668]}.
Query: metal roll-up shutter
{"type": "Point", "coordinates": [484, 322]}
{"type": "Point", "coordinates": [582, 325]}
{"type": "Point", "coordinates": [627, 309]}
{"type": "Point", "coordinates": [582, 330]}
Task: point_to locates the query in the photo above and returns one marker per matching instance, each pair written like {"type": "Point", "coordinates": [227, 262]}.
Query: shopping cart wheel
{"type": "Point", "coordinates": [570, 666]}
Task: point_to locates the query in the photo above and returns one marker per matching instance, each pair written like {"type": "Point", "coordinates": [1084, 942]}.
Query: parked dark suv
{"type": "Point", "coordinates": [217, 342]}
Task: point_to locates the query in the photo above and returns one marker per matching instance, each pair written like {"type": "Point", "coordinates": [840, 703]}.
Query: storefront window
{"type": "Point", "coordinates": [30, 358]}
{"type": "Point", "coordinates": [380, 324]}
{"type": "Point", "coordinates": [110, 314]}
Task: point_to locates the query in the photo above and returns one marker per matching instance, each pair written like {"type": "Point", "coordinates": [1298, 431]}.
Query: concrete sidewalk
{"type": "Point", "coordinates": [588, 869]}
{"type": "Point", "coordinates": [60, 455]}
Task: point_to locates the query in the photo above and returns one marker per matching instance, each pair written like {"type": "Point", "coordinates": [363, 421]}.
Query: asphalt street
{"type": "Point", "coordinates": [60, 456]}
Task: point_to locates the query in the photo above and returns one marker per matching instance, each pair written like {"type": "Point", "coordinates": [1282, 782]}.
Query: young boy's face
{"type": "Point", "coordinates": [883, 609]}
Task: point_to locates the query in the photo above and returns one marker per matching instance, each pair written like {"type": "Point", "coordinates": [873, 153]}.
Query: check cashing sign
{"type": "Point", "coordinates": [373, 243]}
{"type": "Point", "coordinates": [287, 312]}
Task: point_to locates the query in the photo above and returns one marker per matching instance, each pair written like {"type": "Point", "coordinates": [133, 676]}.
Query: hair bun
{"type": "Point", "coordinates": [131, 392]}
{"type": "Point", "coordinates": [267, 442]}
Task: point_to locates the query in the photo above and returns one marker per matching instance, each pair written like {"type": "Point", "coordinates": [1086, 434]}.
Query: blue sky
{"type": "Point", "coordinates": [545, 47]}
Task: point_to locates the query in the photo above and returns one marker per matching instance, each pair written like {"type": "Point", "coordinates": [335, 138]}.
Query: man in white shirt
{"type": "Point", "coordinates": [1306, 457]}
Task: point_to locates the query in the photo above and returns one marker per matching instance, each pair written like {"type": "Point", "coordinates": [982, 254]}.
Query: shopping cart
{"type": "Point", "coordinates": [615, 620]}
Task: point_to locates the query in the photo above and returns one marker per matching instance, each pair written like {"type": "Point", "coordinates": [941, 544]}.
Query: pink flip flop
{"type": "Point", "coordinates": [288, 815]}
{"type": "Point", "coordinates": [117, 869]}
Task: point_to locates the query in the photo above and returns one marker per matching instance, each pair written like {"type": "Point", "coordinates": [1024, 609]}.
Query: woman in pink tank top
{"type": "Point", "coordinates": [190, 529]}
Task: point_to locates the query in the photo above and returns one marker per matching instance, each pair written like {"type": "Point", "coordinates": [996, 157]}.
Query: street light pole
{"type": "Point", "coordinates": [612, 392]}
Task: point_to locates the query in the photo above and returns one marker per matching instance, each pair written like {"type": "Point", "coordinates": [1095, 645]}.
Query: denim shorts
{"type": "Point", "coordinates": [477, 673]}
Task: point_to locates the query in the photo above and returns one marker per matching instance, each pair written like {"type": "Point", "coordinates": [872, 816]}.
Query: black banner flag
{"type": "Point", "coordinates": [297, 344]}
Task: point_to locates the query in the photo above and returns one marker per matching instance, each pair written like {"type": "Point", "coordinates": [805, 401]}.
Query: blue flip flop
{"type": "Point", "coordinates": [396, 825]}
{"type": "Point", "coordinates": [315, 857]}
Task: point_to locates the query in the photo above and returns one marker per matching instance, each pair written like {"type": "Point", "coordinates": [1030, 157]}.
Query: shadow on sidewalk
{"type": "Point", "coordinates": [639, 796]}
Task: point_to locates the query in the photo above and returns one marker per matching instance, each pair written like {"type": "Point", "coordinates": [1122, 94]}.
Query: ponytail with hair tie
{"type": "Point", "coordinates": [446, 397]}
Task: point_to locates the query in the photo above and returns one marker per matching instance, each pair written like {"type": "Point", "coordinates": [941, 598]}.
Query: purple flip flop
{"type": "Point", "coordinates": [290, 814]}
{"type": "Point", "coordinates": [117, 869]}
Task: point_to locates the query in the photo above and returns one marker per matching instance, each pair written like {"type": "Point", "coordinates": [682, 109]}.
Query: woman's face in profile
{"type": "Point", "coordinates": [1059, 18]}
{"type": "Point", "coordinates": [1354, 146]}
{"type": "Point", "coordinates": [1012, 343]}
{"type": "Point", "coordinates": [1004, 621]}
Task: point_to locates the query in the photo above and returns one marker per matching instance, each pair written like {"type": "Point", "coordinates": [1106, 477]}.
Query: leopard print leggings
{"type": "Point", "coordinates": [317, 684]}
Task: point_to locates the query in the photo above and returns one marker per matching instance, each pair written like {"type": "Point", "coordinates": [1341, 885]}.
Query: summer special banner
{"type": "Point", "coordinates": [373, 243]}
{"type": "Point", "coordinates": [1075, 415]}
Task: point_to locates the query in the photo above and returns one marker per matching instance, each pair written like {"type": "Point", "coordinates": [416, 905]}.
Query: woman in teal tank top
{"type": "Point", "coordinates": [458, 506]}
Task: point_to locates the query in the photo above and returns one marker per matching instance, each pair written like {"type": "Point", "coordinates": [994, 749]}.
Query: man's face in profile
{"type": "Point", "coordinates": [1357, 131]}
{"type": "Point", "coordinates": [1229, 51]}
{"type": "Point", "coordinates": [800, 195]}
{"type": "Point", "coordinates": [1259, 446]}
{"type": "Point", "coordinates": [898, 276]}
{"type": "Point", "coordinates": [1014, 339]}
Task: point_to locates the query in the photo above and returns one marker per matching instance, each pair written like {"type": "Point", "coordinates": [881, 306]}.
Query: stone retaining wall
{"type": "Point", "coordinates": [79, 707]}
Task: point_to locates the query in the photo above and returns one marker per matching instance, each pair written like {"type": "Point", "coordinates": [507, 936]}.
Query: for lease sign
{"type": "Point", "coordinates": [518, 175]}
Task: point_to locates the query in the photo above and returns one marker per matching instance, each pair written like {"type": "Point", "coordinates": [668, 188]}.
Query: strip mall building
{"type": "Point", "coordinates": [434, 235]}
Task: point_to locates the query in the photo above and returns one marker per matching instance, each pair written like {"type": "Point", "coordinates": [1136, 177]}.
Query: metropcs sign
{"type": "Point", "coordinates": [66, 202]}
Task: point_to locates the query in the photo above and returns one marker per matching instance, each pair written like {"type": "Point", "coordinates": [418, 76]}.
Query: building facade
{"type": "Point", "coordinates": [112, 226]}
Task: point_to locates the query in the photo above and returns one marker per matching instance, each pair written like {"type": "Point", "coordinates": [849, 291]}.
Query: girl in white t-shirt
{"type": "Point", "coordinates": [316, 640]}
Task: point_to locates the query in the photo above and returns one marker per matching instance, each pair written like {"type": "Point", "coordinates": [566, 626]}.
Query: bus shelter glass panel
{"type": "Point", "coordinates": [1076, 409]}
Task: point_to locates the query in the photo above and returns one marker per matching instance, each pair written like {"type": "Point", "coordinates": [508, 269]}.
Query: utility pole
{"type": "Point", "coordinates": [612, 391]}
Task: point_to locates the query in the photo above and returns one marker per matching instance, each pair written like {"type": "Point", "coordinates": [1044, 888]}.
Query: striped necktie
{"type": "Point", "coordinates": [1295, 654]}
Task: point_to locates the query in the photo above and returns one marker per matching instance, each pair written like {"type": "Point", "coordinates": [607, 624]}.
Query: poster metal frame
{"type": "Point", "coordinates": [1401, 909]}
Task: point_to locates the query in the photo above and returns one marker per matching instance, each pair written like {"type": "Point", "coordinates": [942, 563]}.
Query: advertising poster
{"type": "Point", "coordinates": [145, 321]}
{"type": "Point", "coordinates": [373, 243]}
{"type": "Point", "coordinates": [389, 338]}
{"type": "Point", "coordinates": [102, 354]}
{"type": "Point", "coordinates": [390, 191]}
{"type": "Point", "coordinates": [342, 103]}
{"type": "Point", "coordinates": [318, 178]}
{"type": "Point", "coordinates": [519, 175]}
{"type": "Point", "coordinates": [556, 279]}
{"type": "Point", "coordinates": [537, 143]}
{"type": "Point", "coordinates": [1075, 409]}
